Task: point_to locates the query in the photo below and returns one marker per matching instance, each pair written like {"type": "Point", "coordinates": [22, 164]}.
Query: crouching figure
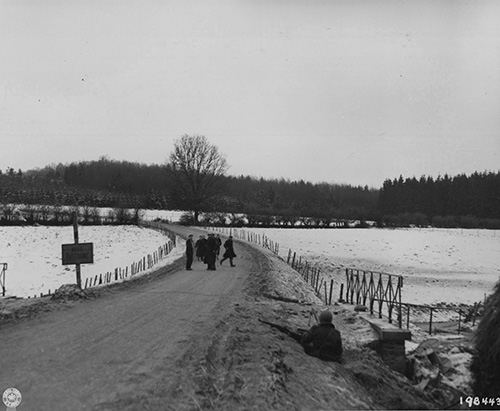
{"type": "Point", "coordinates": [323, 340]}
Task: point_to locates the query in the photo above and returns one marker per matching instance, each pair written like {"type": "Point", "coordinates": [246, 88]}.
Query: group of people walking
{"type": "Point", "coordinates": [207, 250]}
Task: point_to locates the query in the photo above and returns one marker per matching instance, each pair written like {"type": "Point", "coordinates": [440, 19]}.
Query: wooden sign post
{"type": "Point", "coordinates": [75, 236]}
{"type": "Point", "coordinates": [77, 253]}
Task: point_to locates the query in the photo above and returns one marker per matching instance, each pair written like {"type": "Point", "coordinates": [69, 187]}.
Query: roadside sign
{"type": "Point", "coordinates": [81, 253]}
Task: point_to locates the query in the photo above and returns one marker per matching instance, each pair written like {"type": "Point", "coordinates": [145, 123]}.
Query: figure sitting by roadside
{"type": "Point", "coordinates": [323, 340]}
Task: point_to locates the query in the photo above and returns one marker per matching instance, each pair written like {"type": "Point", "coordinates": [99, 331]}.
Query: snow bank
{"type": "Point", "coordinates": [33, 254]}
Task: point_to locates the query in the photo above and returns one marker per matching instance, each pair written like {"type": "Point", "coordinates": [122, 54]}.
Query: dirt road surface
{"type": "Point", "coordinates": [123, 350]}
{"type": "Point", "coordinates": [191, 340]}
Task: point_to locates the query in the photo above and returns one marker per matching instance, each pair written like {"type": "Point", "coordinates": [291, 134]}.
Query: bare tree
{"type": "Point", "coordinates": [197, 167]}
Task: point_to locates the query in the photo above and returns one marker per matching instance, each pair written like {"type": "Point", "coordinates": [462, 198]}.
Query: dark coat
{"type": "Point", "coordinates": [323, 341]}
{"type": "Point", "coordinates": [219, 244]}
{"type": "Point", "coordinates": [201, 247]}
{"type": "Point", "coordinates": [189, 247]}
{"type": "Point", "coordinates": [228, 245]}
{"type": "Point", "coordinates": [211, 252]}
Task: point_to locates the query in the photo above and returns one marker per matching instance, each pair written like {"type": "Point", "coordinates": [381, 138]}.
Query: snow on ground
{"type": "Point", "coordinates": [145, 214]}
{"type": "Point", "coordinates": [439, 265]}
{"type": "Point", "coordinates": [34, 262]}
{"type": "Point", "coordinates": [171, 215]}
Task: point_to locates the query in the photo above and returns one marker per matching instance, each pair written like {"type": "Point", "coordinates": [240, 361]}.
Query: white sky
{"type": "Point", "coordinates": [337, 91]}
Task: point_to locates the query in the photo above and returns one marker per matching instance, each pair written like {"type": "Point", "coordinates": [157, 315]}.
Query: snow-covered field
{"type": "Point", "coordinates": [34, 262]}
{"type": "Point", "coordinates": [439, 265]}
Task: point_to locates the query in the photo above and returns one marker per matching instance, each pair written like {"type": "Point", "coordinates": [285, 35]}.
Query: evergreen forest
{"type": "Point", "coordinates": [459, 201]}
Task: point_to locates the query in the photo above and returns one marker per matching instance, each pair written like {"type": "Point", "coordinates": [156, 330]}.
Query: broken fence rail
{"type": "Point", "coordinates": [439, 318]}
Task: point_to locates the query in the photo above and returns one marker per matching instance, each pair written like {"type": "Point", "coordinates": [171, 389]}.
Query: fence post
{"type": "Point", "coordinates": [474, 313]}
{"type": "Point", "coordinates": [331, 291]}
{"type": "Point", "coordinates": [408, 316]}
{"type": "Point", "coordinates": [430, 323]}
{"type": "Point", "coordinates": [400, 285]}
{"type": "Point", "coordinates": [326, 295]}
{"type": "Point", "coordinates": [293, 259]}
{"type": "Point", "coordinates": [459, 319]}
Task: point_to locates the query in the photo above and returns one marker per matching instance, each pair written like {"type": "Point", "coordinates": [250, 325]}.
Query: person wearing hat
{"type": "Point", "coordinates": [229, 253]}
{"type": "Point", "coordinates": [323, 340]}
{"type": "Point", "coordinates": [189, 252]}
{"type": "Point", "coordinates": [201, 248]}
{"type": "Point", "coordinates": [211, 250]}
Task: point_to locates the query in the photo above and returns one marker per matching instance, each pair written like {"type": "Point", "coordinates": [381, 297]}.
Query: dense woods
{"type": "Point", "coordinates": [459, 201]}
{"type": "Point", "coordinates": [109, 183]}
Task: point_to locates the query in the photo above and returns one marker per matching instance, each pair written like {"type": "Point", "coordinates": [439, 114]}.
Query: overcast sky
{"type": "Point", "coordinates": [338, 91]}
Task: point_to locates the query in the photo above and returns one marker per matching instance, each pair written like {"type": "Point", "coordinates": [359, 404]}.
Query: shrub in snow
{"type": "Point", "coordinates": [187, 219]}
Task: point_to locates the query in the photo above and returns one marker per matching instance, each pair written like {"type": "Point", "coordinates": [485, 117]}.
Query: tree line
{"type": "Point", "coordinates": [110, 183]}
{"type": "Point", "coordinates": [459, 201]}
{"type": "Point", "coordinates": [195, 179]}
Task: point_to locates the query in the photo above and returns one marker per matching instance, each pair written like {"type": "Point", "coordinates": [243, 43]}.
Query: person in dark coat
{"type": "Point", "coordinates": [210, 254]}
{"type": "Point", "coordinates": [189, 252]}
{"type": "Point", "coordinates": [201, 245]}
{"type": "Point", "coordinates": [219, 245]}
{"type": "Point", "coordinates": [323, 340]}
{"type": "Point", "coordinates": [229, 253]}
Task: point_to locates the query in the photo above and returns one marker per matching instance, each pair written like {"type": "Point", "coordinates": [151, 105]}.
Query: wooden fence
{"type": "Point", "coordinates": [380, 292]}
{"type": "Point", "coordinates": [311, 273]}
{"type": "Point", "coordinates": [139, 266]}
{"type": "Point", "coordinates": [441, 319]}
{"type": "Point", "coordinates": [249, 236]}
{"type": "Point", "coordinates": [3, 269]}
{"type": "Point", "coordinates": [122, 273]}
{"type": "Point", "coordinates": [160, 227]}
{"type": "Point", "coordinates": [375, 288]}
